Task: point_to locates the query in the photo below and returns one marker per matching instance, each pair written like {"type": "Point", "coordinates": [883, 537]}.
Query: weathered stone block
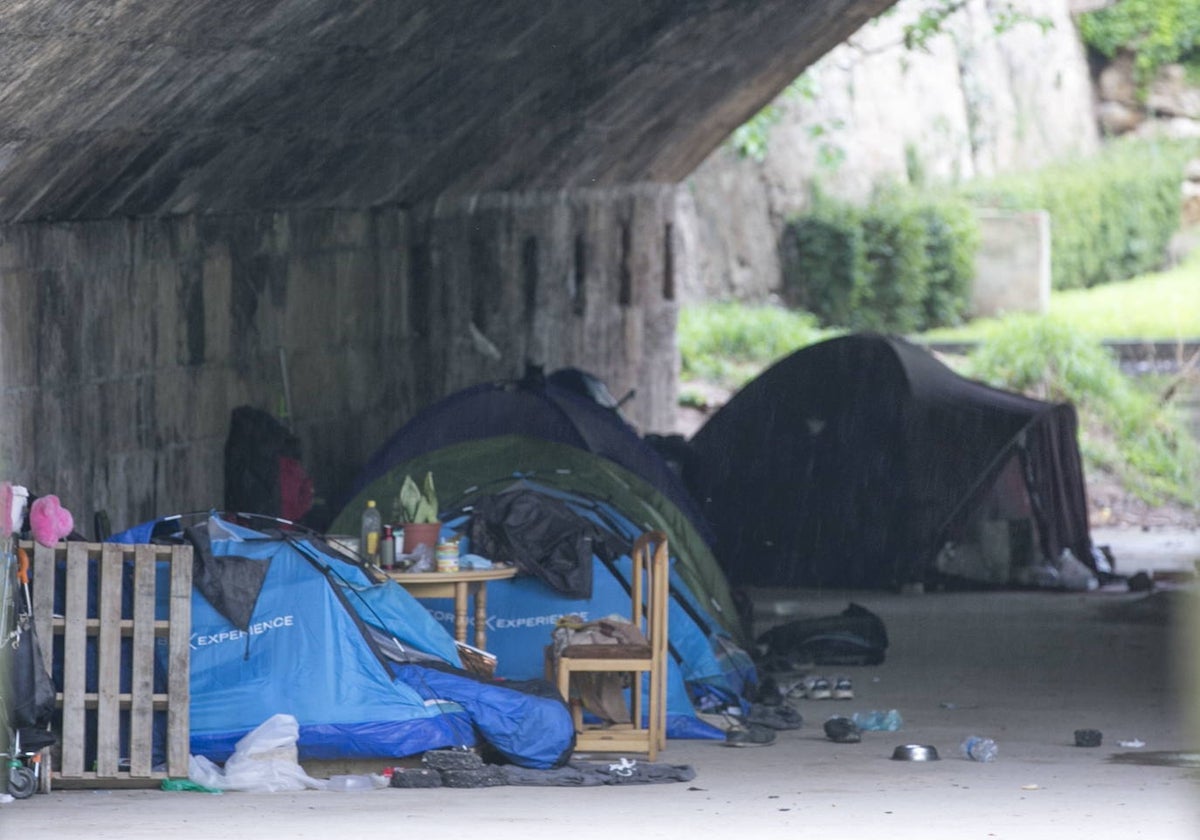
{"type": "Point", "coordinates": [1012, 265]}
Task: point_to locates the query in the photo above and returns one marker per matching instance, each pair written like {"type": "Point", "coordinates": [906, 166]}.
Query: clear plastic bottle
{"type": "Point", "coordinates": [889, 721]}
{"type": "Point", "coordinates": [372, 528]}
{"type": "Point", "coordinates": [978, 749]}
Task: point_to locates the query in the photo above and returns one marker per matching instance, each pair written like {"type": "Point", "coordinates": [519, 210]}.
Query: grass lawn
{"type": "Point", "coordinates": [1163, 306]}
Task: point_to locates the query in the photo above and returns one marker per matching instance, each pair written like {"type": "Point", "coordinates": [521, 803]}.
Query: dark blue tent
{"type": "Point", "coordinates": [533, 407]}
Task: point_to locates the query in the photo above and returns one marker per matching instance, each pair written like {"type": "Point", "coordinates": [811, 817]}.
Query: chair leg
{"type": "Point", "coordinates": [637, 709]}
{"type": "Point", "coordinates": [563, 682]}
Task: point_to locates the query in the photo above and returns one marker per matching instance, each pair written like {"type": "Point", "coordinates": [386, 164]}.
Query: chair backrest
{"type": "Point", "coordinates": [651, 576]}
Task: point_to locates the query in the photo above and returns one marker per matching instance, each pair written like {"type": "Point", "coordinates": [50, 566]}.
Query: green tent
{"type": "Point", "coordinates": [487, 465]}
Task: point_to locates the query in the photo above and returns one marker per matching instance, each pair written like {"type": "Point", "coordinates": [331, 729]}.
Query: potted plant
{"type": "Point", "coordinates": [418, 511]}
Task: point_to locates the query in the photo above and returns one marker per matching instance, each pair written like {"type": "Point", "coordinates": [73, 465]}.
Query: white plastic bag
{"type": "Point", "coordinates": [264, 761]}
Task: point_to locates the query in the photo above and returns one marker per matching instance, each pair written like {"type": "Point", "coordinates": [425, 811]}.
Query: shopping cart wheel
{"type": "Point", "coordinates": [21, 782]}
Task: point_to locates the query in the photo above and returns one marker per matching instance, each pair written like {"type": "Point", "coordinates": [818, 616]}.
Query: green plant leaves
{"type": "Point", "coordinates": [418, 504]}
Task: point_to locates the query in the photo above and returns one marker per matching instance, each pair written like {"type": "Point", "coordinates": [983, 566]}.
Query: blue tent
{"type": "Point", "coordinates": [363, 667]}
{"type": "Point", "coordinates": [523, 611]}
{"type": "Point", "coordinates": [707, 670]}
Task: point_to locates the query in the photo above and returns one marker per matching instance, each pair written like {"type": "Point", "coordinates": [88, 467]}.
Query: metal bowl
{"type": "Point", "coordinates": [915, 752]}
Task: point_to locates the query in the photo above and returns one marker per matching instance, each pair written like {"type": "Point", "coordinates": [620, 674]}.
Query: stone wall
{"type": "Point", "coordinates": [126, 344]}
{"type": "Point", "coordinates": [1168, 106]}
{"type": "Point", "coordinates": [975, 104]}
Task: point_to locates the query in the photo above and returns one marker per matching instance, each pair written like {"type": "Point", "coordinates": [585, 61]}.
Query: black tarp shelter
{"type": "Point", "coordinates": [857, 461]}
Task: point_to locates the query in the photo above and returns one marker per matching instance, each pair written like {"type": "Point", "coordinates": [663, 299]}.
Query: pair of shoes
{"type": "Point", "coordinates": [749, 735]}
{"type": "Point", "coordinates": [821, 688]}
{"type": "Point", "coordinates": [817, 688]}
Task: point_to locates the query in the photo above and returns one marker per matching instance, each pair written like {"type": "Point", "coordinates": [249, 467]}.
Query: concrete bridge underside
{"type": "Point", "coordinates": [388, 199]}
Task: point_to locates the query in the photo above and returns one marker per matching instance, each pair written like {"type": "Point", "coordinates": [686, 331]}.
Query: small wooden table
{"type": "Point", "coordinates": [459, 586]}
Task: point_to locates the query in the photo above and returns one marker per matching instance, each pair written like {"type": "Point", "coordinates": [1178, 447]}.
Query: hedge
{"type": "Point", "coordinates": [902, 263]}
{"type": "Point", "coordinates": [1111, 215]}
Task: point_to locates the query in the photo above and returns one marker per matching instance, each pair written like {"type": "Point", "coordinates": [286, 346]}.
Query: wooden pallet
{"type": "Point", "coordinates": [94, 641]}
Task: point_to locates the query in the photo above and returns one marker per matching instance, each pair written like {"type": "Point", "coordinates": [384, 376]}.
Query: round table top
{"type": "Point", "coordinates": [465, 575]}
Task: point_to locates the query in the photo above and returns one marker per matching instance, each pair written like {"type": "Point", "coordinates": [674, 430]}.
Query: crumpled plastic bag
{"type": "Point", "coordinates": [263, 761]}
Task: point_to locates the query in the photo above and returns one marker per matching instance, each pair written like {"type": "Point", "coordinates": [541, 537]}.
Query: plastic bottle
{"type": "Point", "coordinates": [351, 783]}
{"type": "Point", "coordinates": [372, 527]}
{"type": "Point", "coordinates": [387, 549]}
{"type": "Point", "coordinates": [978, 749]}
{"type": "Point", "coordinates": [889, 721]}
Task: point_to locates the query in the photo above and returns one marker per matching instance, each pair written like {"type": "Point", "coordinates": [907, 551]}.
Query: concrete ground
{"type": "Point", "coordinates": [1026, 669]}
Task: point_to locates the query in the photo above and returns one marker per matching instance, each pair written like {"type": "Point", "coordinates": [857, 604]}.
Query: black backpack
{"type": "Point", "coordinates": [856, 636]}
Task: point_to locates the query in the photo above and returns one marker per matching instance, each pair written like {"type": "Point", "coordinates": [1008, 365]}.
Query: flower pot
{"type": "Point", "coordinates": [420, 533]}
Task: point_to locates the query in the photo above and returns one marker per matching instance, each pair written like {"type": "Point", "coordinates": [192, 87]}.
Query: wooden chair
{"type": "Point", "coordinates": [651, 572]}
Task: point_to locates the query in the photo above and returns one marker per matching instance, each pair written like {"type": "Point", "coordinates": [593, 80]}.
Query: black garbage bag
{"type": "Point", "coordinates": [541, 536]}
{"type": "Point", "coordinates": [33, 689]}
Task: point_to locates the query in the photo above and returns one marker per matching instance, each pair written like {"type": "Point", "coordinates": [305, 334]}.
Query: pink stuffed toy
{"type": "Point", "coordinates": [49, 521]}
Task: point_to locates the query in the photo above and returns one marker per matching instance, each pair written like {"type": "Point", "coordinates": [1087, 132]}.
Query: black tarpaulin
{"type": "Point", "coordinates": [541, 536]}
{"type": "Point", "coordinates": [853, 461]}
{"type": "Point", "coordinates": [230, 583]}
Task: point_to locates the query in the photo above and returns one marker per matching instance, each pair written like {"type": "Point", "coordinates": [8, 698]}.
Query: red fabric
{"type": "Point", "coordinates": [295, 489]}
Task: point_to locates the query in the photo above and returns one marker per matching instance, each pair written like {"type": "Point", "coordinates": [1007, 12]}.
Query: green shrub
{"type": "Point", "coordinates": [952, 238]}
{"type": "Point", "coordinates": [824, 261]}
{"type": "Point", "coordinates": [895, 234]}
{"type": "Point", "coordinates": [902, 263]}
{"type": "Point", "coordinates": [1123, 430]}
{"type": "Point", "coordinates": [1157, 32]}
{"type": "Point", "coordinates": [1111, 216]}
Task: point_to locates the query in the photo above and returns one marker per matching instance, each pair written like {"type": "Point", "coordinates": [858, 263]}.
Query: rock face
{"type": "Point", "coordinates": [1168, 105]}
{"type": "Point", "coordinates": [975, 104]}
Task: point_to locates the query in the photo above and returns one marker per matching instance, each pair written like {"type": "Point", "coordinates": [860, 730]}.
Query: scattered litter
{"type": "Point", "coordinates": [1132, 744]}
{"type": "Point", "coordinates": [263, 761]}
{"type": "Point", "coordinates": [842, 730]}
{"type": "Point", "coordinates": [978, 749]}
{"type": "Point", "coordinates": [186, 785]}
{"type": "Point", "coordinates": [5, 799]}
{"type": "Point", "coordinates": [624, 767]}
{"type": "Point", "coordinates": [878, 721]}
{"type": "Point", "coordinates": [349, 783]}
{"type": "Point", "coordinates": [1031, 787]}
